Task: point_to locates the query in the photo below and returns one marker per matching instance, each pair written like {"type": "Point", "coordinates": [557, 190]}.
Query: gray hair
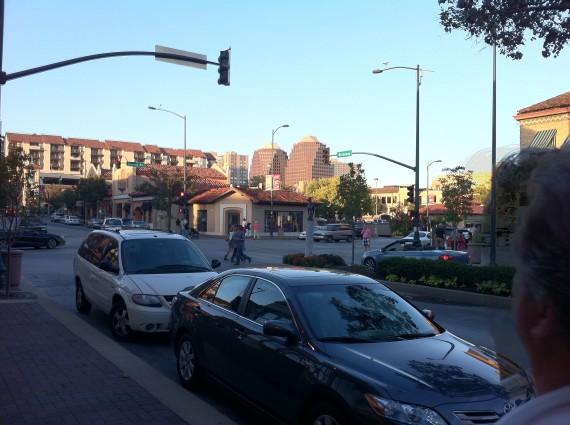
{"type": "Point", "coordinates": [541, 243]}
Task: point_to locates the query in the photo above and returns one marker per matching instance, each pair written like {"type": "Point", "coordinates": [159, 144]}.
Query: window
{"type": "Point", "coordinates": [228, 292]}
{"type": "Point", "coordinates": [267, 303]}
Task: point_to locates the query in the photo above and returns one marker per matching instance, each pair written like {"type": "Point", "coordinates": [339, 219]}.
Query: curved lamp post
{"type": "Point", "coordinates": [271, 169]}
{"type": "Point", "coordinates": [427, 194]}
{"type": "Point", "coordinates": [419, 74]}
{"type": "Point", "coordinates": [154, 108]}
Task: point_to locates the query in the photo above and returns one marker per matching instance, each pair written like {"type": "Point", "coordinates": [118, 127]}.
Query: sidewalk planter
{"type": "Point", "coordinates": [474, 250]}
{"type": "Point", "coordinates": [15, 265]}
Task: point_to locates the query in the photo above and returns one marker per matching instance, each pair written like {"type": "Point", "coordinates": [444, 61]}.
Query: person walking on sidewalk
{"type": "Point", "coordinates": [231, 245]}
{"type": "Point", "coordinates": [366, 234]}
{"type": "Point", "coordinates": [256, 230]}
{"type": "Point", "coordinates": [541, 289]}
{"type": "Point", "coordinates": [239, 238]}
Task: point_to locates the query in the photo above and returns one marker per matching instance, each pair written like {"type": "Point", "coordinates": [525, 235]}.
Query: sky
{"type": "Point", "coordinates": [307, 64]}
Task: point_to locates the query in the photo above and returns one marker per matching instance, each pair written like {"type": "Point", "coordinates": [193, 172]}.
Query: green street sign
{"type": "Point", "coordinates": [135, 164]}
{"type": "Point", "coordinates": [343, 154]}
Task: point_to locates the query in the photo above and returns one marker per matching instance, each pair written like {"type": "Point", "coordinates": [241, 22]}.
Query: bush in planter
{"type": "Point", "coordinates": [319, 261]}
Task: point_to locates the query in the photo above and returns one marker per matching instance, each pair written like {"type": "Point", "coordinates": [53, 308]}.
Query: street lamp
{"type": "Point", "coordinates": [271, 168]}
{"type": "Point", "coordinates": [376, 197]}
{"type": "Point", "coordinates": [427, 194]}
{"type": "Point", "coordinates": [154, 108]}
{"type": "Point", "coordinates": [419, 74]}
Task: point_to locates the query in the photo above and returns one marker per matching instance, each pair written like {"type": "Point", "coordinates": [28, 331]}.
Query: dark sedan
{"type": "Point", "coordinates": [33, 239]}
{"type": "Point", "coordinates": [32, 226]}
{"type": "Point", "coordinates": [405, 248]}
{"type": "Point", "coordinates": [315, 346]}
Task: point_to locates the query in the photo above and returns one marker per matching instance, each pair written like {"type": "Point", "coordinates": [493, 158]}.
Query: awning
{"type": "Point", "coordinates": [566, 143]}
{"type": "Point", "coordinates": [147, 205]}
{"type": "Point", "coordinates": [544, 139]}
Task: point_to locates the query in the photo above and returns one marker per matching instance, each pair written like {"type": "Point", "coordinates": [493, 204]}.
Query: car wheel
{"type": "Point", "coordinates": [329, 239]}
{"type": "Point", "coordinates": [370, 264]}
{"type": "Point", "coordinates": [83, 306]}
{"type": "Point", "coordinates": [325, 414]}
{"type": "Point", "coordinates": [51, 243]}
{"type": "Point", "coordinates": [349, 239]}
{"type": "Point", "coordinates": [119, 322]}
{"type": "Point", "coordinates": [186, 362]}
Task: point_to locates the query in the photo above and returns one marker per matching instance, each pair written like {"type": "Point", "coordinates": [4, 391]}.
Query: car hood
{"type": "Point", "coordinates": [168, 284]}
{"type": "Point", "coordinates": [434, 371]}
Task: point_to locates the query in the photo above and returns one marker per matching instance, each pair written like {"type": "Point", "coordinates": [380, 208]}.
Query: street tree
{"type": "Point", "coordinates": [68, 197]}
{"type": "Point", "coordinates": [355, 194]}
{"type": "Point", "coordinates": [256, 181]}
{"type": "Point", "coordinates": [164, 186]}
{"type": "Point", "coordinates": [325, 193]}
{"type": "Point", "coordinates": [506, 23]}
{"type": "Point", "coordinates": [91, 190]}
{"type": "Point", "coordinates": [15, 177]}
{"type": "Point", "coordinates": [457, 189]}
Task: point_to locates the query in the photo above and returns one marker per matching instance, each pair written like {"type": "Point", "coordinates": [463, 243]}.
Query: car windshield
{"type": "Point", "coordinates": [361, 313]}
{"type": "Point", "coordinates": [161, 256]}
{"type": "Point", "coordinates": [115, 222]}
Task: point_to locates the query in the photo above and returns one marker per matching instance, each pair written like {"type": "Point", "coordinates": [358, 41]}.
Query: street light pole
{"type": "Point", "coordinates": [272, 171]}
{"type": "Point", "coordinates": [419, 74]}
{"type": "Point", "coordinates": [154, 108]}
{"type": "Point", "coordinates": [427, 194]}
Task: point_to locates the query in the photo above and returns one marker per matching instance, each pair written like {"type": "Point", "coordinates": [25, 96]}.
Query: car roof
{"type": "Point", "coordinates": [297, 276]}
{"type": "Point", "coordinates": [141, 234]}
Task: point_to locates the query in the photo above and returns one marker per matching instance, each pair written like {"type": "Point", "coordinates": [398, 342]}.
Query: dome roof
{"type": "Point", "coordinates": [480, 162]}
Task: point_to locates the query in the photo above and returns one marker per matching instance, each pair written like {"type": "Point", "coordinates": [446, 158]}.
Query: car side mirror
{"type": "Point", "coordinates": [429, 314]}
{"type": "Point", "coordinates": [280, 328]}
{"type": "Point", "coordinates": [215, 263]}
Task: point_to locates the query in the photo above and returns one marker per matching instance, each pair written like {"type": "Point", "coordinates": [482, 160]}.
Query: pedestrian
{"type": "Point", "coordinates": [248, 230]}
{"type": "Point", "coordinates": [439, 237]}
{"type": "Point", "coordinates": [461, 241]}
{"type": "Point", "coordinates": [541, 291]}
{"type": "Point", "coordinates": [256, 230]}
{"type": "Point", "coordinates": [185, 230]}
{"type": "Point", "coordinates": [231, 245]}
{"type": "Point", "coordinates": [366, 234]}
{"type": "Point", "coordinates": [183, 225]}
{"type": "Point", "coordinates": [239, 254]}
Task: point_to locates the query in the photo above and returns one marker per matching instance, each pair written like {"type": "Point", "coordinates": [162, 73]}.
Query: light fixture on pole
{"type": "Point", "coordinates": [427, 194]}
{"type": "Point", "coordinates": [271, 168]}
{"type": "Point", "coordinates": [419, 74]}
{"type": "Point", "coordinates": [376, 197]}
{"type": "Point", "coordinates": [155, 108]}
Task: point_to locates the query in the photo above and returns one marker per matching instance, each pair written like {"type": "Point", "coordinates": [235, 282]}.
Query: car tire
{"type": "Point", "coordinates": [349, 239]}
{"type": "Point", "coordinates": [119, 322]}
{"type": "Point", "coordinates": [325, 413]}
{"type": "Point", "coordinates": [370, 264]}
{"type": "Point", "coordinates": [51, 243]}
{"type": "Point", "coordinates": [329, 239]}
{"type": "Point", "coordinates": [187, 363]}
{"type": "Point", "coordinates": [83, 306]}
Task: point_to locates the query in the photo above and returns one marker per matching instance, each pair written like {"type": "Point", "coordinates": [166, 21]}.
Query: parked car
{"type": "Point", "coordinates": [425, 237]}
{"type": "Point", "coordinates": [133, 275]}
{"type": "Point", "coordinates": [333, 232]}
{"type": "Point", "coordinates": [32, 239]}
{"type": "Point", "coordinates": [32, 226]}
{"type": "Point", "coordinates": [112, 223]}
{"type": "Point", "coordinates": [135, 224]}
{"type": "Point", "coordinates": [57, 217]}
{"type": "Point", "coordinates": [94, 223]}
{"type": "Point", "coordinates": [303, 234]}
{"type": "Point", "coordinates": [406, 248]}
{"type": "Point", "coordinates": [317, 346]}
{"type": "Point", "coordinates": [72, 220]}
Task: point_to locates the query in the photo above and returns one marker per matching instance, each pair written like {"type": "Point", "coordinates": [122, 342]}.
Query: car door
{"type": "Point", "coordinates": [106, 280]}
{"type": "Point", "coordinates": [266, 368]}
{"type": "Point", "coordinates": [87, 267]}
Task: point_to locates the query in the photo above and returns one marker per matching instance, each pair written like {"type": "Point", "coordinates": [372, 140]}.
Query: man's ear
{"type": "Point", "coordinates": [545, 323]}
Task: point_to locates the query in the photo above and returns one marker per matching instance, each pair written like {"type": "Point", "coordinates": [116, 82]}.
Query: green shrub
{"type": "Point", "coordinates": [318, 261]}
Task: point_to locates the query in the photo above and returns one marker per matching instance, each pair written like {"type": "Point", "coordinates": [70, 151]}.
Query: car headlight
{"type": "Point", "coordinates": [404, 413]}
{"type": "Point", "coordinates": [147, 300]}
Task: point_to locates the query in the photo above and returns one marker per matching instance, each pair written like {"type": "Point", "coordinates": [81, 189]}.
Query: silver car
{"type": "Point", "coordinates": [112, 223]}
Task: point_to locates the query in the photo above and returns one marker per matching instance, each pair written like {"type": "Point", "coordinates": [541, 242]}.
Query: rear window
{"type": "Point", "coordinates": [113, 222]}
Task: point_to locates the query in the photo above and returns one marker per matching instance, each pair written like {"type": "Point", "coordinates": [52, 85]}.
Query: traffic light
{"type": "Point", "coordinates": [224, 68]}
{"type": "Point", "coordinates": [411, 199]}
{"type": "Point", "coordinates": [326, 155]}
{"type": "Point", "coordinates": [182, 198]}
{"type": "Point", "coordinates": [118, 162]}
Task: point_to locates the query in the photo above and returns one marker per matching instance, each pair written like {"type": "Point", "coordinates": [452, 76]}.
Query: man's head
{"type": "Point", "coordinates": [542, 283]}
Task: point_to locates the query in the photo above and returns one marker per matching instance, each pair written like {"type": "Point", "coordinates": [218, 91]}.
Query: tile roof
{"type": "Point", "coordinates": [196, 153]}
{"type": "Point", "coordinates": [257, 196]}
{"type": "Point", "coordinates": [561, 101]}
{"type": "Point", "coordinates": [35, 138]}
{"type": "Point", "coordinates": [88, 143]}
{"type": "Point", "coordinates": [124, 146]}
{"type": "Point", "coordinates": [152, 149]}
{"type": "Point", "coordinates": [172, 152]}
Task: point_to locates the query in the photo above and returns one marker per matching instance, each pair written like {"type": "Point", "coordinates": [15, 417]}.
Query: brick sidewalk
{"type": "Point", "coordinates": [48, 375]}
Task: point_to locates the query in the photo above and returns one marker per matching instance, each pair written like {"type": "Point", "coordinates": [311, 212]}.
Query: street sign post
{"type": "Point", "coordinates": [343, 154]}
{"type": "Point", "coordinates": [135, 164]}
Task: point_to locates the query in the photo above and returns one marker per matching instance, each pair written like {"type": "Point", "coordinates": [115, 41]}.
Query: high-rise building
{"type": "Point", "coordinates": [340, 168]}
{"type": "Point", "coordinates": [261, 162]}
{"type": "Point", "coordinates": [308, 161]}
{"type": "Point", "coordinates": [235, 166]}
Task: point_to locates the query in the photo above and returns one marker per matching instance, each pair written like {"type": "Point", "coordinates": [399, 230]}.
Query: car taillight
{"type": "Point", "coordinates": [445, 257]}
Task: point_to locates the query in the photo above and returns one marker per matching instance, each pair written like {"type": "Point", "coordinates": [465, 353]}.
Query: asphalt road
{"type": "Point", "coordinates": [51, 271]}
